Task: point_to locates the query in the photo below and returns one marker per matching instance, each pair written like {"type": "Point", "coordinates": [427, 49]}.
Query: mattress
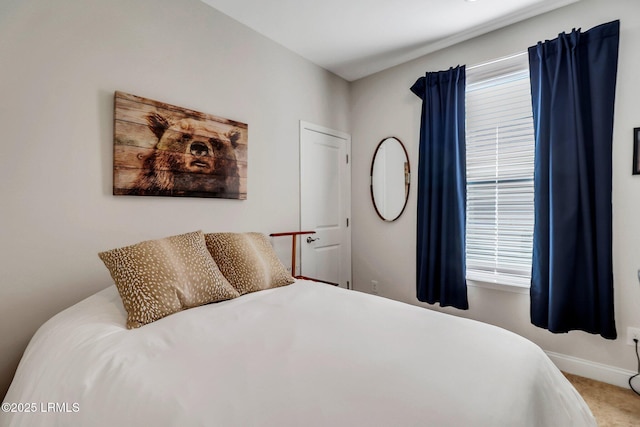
{"type": "Point", "coordinates": [307, 354]}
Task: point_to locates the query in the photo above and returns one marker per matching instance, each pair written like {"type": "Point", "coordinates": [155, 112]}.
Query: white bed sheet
{"type": "Point", "coordinates": [303, 355]}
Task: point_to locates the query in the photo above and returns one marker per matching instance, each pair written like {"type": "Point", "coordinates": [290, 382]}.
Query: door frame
{"type": "Point", "coordinates": [346, 214]}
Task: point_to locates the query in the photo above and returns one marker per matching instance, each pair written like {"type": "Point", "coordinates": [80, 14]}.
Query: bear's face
{"type": "Point", "coordinates": [190, 156]}
{"type": "Point", "coordinates": [193, 146]}
{"type": "Point", "coordinates": [192, 140]}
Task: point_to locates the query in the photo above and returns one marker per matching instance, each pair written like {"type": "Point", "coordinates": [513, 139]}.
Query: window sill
{"type": "Point", "coordinates": [518, 289]}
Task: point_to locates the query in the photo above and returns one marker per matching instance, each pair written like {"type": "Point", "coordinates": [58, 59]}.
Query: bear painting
{"type": "Point", "coordinates": [164, 150]}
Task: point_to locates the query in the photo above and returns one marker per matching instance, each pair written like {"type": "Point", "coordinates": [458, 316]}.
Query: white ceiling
{"type": "Point", "coordinates": [356, 38]}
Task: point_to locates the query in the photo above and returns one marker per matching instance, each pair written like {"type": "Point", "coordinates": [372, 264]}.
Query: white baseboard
{"type": "Point", "coordinates": [586, 368]}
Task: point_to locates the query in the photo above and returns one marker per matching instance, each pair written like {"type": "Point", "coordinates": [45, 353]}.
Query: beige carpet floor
{"type": "Point", "coordinates": [611, 405]}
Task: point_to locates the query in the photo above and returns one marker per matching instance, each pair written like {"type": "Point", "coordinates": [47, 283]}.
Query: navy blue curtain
{"type": "Point", "coordinates": [442, 183]}
{"type": "Point", "coordinates": [573, 80]}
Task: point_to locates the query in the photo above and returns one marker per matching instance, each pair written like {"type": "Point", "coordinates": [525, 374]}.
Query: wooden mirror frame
{"type": "Point", "coordinates": [407, 179]}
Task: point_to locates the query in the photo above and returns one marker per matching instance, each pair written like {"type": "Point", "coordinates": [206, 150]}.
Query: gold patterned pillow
{"type": "Point", "coordinates": [248, 261]}
{"type": "Point", "coordinates": [157, 278]}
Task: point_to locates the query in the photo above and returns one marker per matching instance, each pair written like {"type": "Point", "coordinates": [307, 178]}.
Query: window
{"type": "Point", "coordinates": [500, 151]}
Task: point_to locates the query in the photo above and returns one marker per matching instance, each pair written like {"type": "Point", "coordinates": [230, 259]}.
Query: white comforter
{"type": "Point", "coordinates": [304, 355]}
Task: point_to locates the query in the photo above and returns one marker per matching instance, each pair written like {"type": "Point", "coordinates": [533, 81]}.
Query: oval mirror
{"type": "Point", "coordinates": [390, 179]}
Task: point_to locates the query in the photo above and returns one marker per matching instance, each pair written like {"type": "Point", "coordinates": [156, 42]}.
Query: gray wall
{"type": "Point", "coordinates": [61, 62]}
{"type": "Point", "coordinates": [382, 105]}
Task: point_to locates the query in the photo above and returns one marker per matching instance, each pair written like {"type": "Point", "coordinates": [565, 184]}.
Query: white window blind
{"type": "Point", "coordinates": [500, 150]}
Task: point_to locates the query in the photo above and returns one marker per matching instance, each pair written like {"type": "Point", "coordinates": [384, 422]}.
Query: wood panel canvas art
{"type": "Point", "coordinates": [164, 150]}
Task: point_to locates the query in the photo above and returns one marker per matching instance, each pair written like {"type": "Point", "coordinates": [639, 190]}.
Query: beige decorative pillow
{"type": "Point", "coordinates": [157, 278]}
{"type": "Point", "coordinates": [248, 261]}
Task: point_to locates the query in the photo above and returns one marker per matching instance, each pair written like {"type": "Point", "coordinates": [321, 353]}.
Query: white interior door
{"type": "Point", "coordinates": [325, 204]}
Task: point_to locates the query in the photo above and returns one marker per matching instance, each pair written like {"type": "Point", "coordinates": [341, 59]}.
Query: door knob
{"type": "Point", "coordinates": [311, 239]}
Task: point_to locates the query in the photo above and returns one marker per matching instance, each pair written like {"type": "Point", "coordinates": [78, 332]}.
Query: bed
{"type": "Point", "coordinates": [306, 354]}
